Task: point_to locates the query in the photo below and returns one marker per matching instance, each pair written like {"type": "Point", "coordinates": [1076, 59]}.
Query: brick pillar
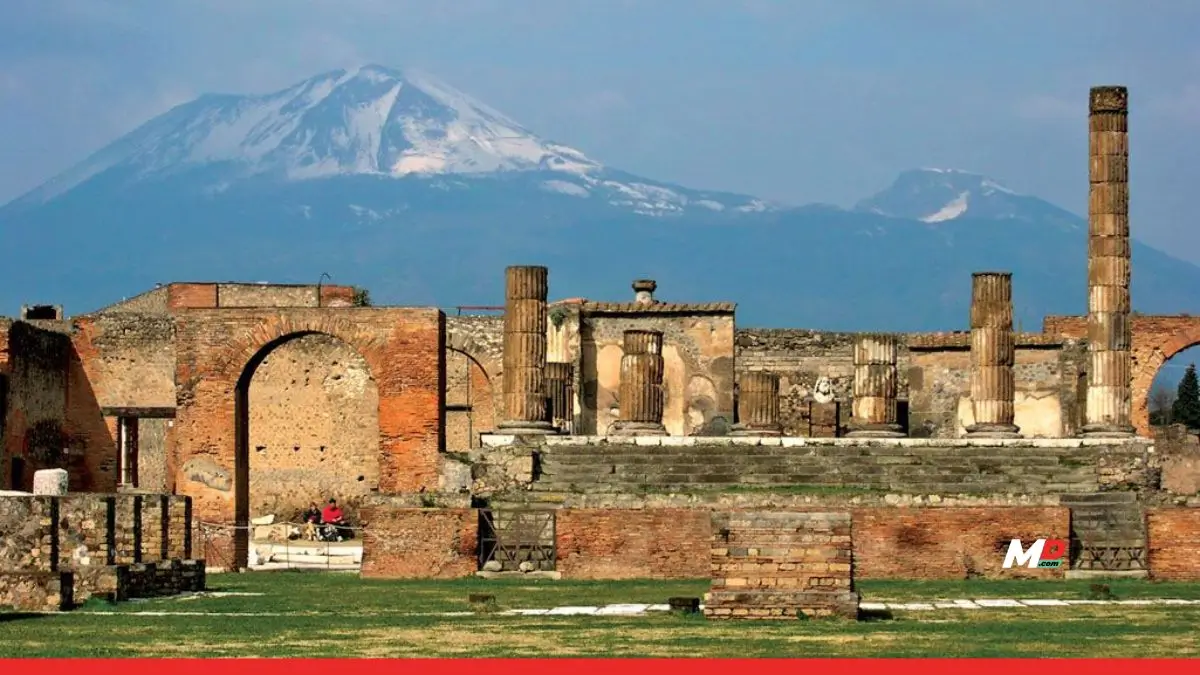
{"type": "Point", "coordinates": [758, 405]}
{"type": "Point", "coordinates": [641, 394]}
{"type": "Point", "coordinates": [560, 397]}
{"type": "Point", "coordinates": [875, 388]}
{"type": "Point", "coordinates": [525, 351]}
{"type": "Point", "coordinates": [1109, 393]}
{"type": "Point", "coordinates": [992, 352]}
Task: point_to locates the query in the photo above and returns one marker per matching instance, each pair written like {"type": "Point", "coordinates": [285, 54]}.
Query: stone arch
{"type": "Point", "coordinates": [363, 465]}
{"type": "Point", "coordinates": [471, 400]}
{"type": "Point", "coordinates": [1155, 341]}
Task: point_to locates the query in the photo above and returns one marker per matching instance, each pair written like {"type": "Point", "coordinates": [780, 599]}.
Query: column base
{"type": "Point", "coordinates": [622, 428]}
{"type": "Point", "coordinates": [993, 431]}
{"type": "Point", "coordinates": [526, 428]}
{"type": "Point", "coordinates": [1108, 431]}
{"type": "Point", "coordinates": [876, 431]}
{"type": "Point", "coordinates": [751, 430]}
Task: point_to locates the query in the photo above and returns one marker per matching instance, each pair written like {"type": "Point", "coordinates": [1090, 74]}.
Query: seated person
{"type": "Point", "coordinates": [311, 519]}
{"type": "Point", "coordinates": [333, 516]}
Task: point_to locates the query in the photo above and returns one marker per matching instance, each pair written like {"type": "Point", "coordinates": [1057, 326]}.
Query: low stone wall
{"type": "Point", "coordinates": [37, 591]}
{"type": "Point", "coordinates": [1173, 543]}
{"type": "Point", "coordinates": [781, 566]}
{"type": "Point", "coordinates": [591, 464]}
{"type": "Point", "coordinates": [632, 544]}
{"type": "Point", "coordinates": [419, 543]}
{"type": "Point", "coordinates": [103, 542]}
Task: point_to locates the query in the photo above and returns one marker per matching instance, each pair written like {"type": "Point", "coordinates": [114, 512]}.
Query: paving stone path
{"type": "Point", "coordinates": [636, 609]}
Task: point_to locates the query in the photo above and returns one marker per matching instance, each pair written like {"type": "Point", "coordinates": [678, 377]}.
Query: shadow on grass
{"type": "Point", "coordinates": [875, 615]}
{"type": "Point", "coordinates": [6, 617]}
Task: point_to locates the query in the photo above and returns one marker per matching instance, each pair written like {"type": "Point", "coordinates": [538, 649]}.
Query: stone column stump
{"type": "Point", "coordinates": [641, 390]}
{"type": "Point", "coordinates": [758, 405]}
{"type": "Point", "coordinates": [875, 382]}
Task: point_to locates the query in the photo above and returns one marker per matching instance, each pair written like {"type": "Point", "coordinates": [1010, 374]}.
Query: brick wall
{"type": "Point", "coordinates": [780, 565]}
{"type": "Point", "coordinates": [1173, 543]}
{"type": "Point", "coordinates": [632, 544]}
{"type": "Point", "coordinates": [191, 296]}
{"type": "Point", "coordinates": [415, 543]}
{"type": "Point", "coordinates": [402, 347]}
{"type": "Point", "coordinates": [33, 366]}
{"type": "Point", "coordinates": [119, 360]}
{"type": "Point", "coordinates": [950, 543]}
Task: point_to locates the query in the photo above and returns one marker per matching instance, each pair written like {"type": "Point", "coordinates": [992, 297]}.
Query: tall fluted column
{"type": "Point", "coordinates": [758, 405]}
{"type": "Point", "coordinates": [875, 388]}
{"type": "Point", "coordinates": [992, 355]}
{"type": "Point", "coordinates": [560, 395]}
{"type": "Point", "coordinates": [641, 393]}
{"type": "Point", "coordinates": [1109, 393]}
{"type": "Point", "coordinates": [525, 325]}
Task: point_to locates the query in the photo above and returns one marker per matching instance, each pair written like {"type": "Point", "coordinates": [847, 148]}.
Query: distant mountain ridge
{"type": "Point", "coordinates": [396, 182]}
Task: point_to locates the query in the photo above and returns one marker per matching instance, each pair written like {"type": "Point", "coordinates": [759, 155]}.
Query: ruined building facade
{"type": "Point", "coordinates": [620, 423]}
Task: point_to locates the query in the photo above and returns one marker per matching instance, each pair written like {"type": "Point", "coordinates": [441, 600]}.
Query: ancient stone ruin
{"type": "Point", "coordinates": [580, 438]}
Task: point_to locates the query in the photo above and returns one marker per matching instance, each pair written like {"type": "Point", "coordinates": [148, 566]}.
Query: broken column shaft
{"type": "Point", "coordinates": [525, 324]}
{"type": "Point", "coordinates": [560, 397]}
{"type": "Point", "coordinates": [1109, 409]}
{"type": "Point", "coordinates": [875, 388]}
{"type": "Point", "coordinates": [992, 356]}
{"type": "Point", "coordinates": [641, 390]}
{"type": "Point", "coordinates": [758, 404]}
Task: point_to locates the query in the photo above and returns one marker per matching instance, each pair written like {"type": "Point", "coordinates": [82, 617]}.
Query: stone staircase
{"type": "Point", "coordinates": [1108, 534]}
{"type": "Point", "coordinates": [306, 555]}
{"type": "Point", "coordinates": [621, 468]}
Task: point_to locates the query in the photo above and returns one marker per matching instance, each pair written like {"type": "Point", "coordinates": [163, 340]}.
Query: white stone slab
{"type": "Point", "coordinates": [624, 610]}
{"type": "Point", "coordinates": [1044, 602]}
{"type": "Point", "coordinates": [1135, 602]}
{"type": "Point", "coordinates": [872, 606]}
{"type": "Point", "coordinates": [658, 608]}
{"type": "Point", "coordinates": [1088, 602]}
{"type": "Point", "coordinates": [50, 482]}
{"type": "Point", "coordinates": [527, 612]}
{"type": "Point", "coordinates": [997, 602]}
{"type": "Point", "coordinates": [911, 606]}
{"type": "Point", "coordinates": [572, 611]}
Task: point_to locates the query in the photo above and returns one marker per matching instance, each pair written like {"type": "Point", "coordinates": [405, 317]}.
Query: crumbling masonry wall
{"type": "Point", "coordinates": [56, 552]}
{"type": "Point", "coordinates": [934, 381]}
{"type": "Point", "coordinates": [314, 427]}
{"type": "Point", "coordinates": [33, 402]}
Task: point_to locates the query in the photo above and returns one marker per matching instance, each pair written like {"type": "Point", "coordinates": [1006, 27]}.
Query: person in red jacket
{"type": "Point", "coordinates": [333, 517]}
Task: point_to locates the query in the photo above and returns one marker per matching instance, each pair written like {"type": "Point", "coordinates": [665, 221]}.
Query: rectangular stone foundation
{"type": "Point", "coordinates": [781, 565]}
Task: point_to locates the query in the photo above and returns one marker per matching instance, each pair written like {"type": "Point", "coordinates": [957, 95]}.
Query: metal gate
{"type": "Point", "coordinates": [515, 537]}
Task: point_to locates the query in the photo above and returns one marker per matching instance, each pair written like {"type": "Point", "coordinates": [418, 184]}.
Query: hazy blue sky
{"type": "Point", "coordinates": [792, 100]}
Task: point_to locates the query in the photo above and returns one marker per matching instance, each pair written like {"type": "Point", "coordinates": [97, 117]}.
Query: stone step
{"type": "Point", "coordinates": [1101, 498]}
{"type": "Point", "coordinates": [314, 560]}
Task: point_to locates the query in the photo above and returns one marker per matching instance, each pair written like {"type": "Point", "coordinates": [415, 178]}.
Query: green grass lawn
{"type": "Point", "coordinates": [329, 614]}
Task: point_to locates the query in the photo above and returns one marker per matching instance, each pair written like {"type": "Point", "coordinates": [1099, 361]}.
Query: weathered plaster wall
{"type": "Point", "coordinates": [698, 365]}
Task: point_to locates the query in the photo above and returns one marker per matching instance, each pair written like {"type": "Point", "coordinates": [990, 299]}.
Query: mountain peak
{"type": "Point", "coordinates": [366, 120]}
{"type": "Point", "coordinates": [940, 195]}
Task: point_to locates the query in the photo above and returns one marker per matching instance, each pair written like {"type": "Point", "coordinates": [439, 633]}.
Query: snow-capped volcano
{"type": "Point", "coordinates": [941, 195]}
{"type": "Point", "coordinates": [368, 121]}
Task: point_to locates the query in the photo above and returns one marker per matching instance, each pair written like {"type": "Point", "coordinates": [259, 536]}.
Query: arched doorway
{"type": "Point", "coordinates": [1159, 345]}
{"type": "Point", "coordinates": [1161, 401]}
{"type": "Point", "coordinates": [306, 429]}
{"type": "Point", "coordinates": [470, 403]}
